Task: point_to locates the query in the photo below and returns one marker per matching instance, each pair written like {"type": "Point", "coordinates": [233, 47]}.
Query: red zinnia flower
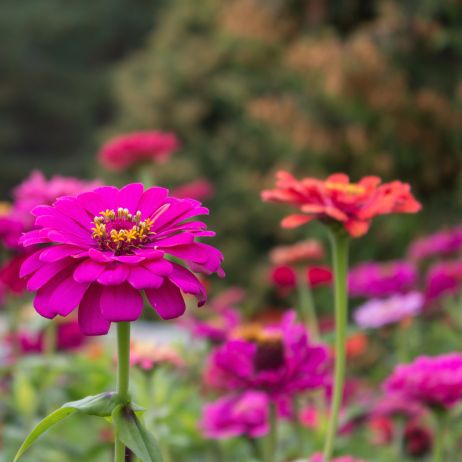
{"type": "Point", "coordinates": [337, 200]}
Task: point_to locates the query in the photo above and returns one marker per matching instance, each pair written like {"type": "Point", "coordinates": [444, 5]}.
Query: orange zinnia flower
{"type": "Point", "coordinates": [336, 199]}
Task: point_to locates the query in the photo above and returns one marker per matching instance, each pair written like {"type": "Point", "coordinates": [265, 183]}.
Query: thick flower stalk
{"type": "Point", "coordinates": [347, 209]}
{"type": "Point", "coordinates": [103, 249]}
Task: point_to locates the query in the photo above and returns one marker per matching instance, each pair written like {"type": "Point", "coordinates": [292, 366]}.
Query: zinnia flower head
{"type": "Point", "coordinates": [147, 356]}
{"type": "Point", "coordinates": [433, 381]}
{"type": "Point", "coordinates": [243, 415]}
{"type": "Point", "coordinates": [373, 279]}
{"type": "Point", "coordinates": [107, 246]}
{"type": "Point", "coordinates": [34, 191]}
{"type": "Point", "coordinates": [300, 252]}
{"type": "Point", "coordinates": [278, 360]}
{"type": "Point", "coordinates": [379, 312]}
{"type": "Point", "coordinates": [443, 278]}
{"type": "Point", "coordinates": [127, 151]}
{"type": "Point", "coordinates": [440, 244]}
{"type": "Point", "coordinates": [337, 200]}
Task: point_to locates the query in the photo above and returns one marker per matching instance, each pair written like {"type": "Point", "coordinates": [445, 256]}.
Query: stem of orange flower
{"type": "Point", "coordinates": [306, 306]}
{"type": "Point", "coordinates": [123, 377]}
{"type": "Point", "coordinates": [340, 246]}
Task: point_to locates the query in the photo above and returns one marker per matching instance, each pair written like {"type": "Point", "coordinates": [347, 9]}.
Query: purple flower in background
{"type": "Point", "coordinates": [433, 381]}
{"type": "Point", "coordinates": [278, 360]}
{"type": "Point", "coordinates": [108, 246]}
{"type": "Point", "coordinates": [397, 405]}
{"type": "Point", "coordinates": [440, 244]}
{"type": "Point", "coordinates": [34, 191]}
{"type": "Point", "coordinates": [380, 312]}
{"type": "Point", "coordinates": [319, 458]}
{"type": "Point", "coordinates": [442, 279]}
{"type": "Point", "coordinates": [243, 415]}
{"type": "Point", "coordinates": [381, 279]}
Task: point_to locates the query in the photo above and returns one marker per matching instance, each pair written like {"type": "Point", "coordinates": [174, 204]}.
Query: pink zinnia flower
{"type": "Point", "coordinates": [319, 458]}
{"type": "Point", "coordinates": [433, 381]}
{"type": "Point", "coordinates": [380, 312]}
{"type": "Point", "coordinates": [301, 252]}
{"type": "Point", "coordinates": [278, 360]}
{"type": "Point", "coordinates": [34, 191]}
{"type": "Point", "coordinates": [147, 356]}
{"type": "Point", "coordinates": [201, 190]}
{"type": "Point", "coordinates": [443, 279]}
{"type": "Point", "coordinates": [440, 244]}
{"type": "Point", "coordinates": [243, 415]}
{"type": "Point", "coordinates": [110, 245]}
{"type": "Point", "coordinates": [373, 279]}
{"type": "Point", "coordinates": [127, 151]}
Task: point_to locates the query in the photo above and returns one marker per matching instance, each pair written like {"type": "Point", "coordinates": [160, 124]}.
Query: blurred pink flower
{"type": "Point", "coordinates": [126, 151]}
{"type": "Point", "coordinates": [396, 405]}
{"type": "Point", "coordinates": [68, 337]}
{"type": "Point", "coordinates": [374, 279]}
{"type": "Point", "coordinates": [440, 244]}
{"type": "Point", "coordinates": [278, 360]}
{"type": "Point", "coordinates": [319, 458]}
{"type": "Point", "coordinates": [432, 381]}
{"type": "Point", "coordinates": [301, 252]}
{"type": "Point", "coordinates": [9, 274]}
{"type": "Point", "coordinates": [443, 279]}
{"type": "Point", "coordinates": [201, 190]}
{"type": "Point", "coordinates": [380, 312]}
{"type": "Point", "coordinates": [147, 356]}
{"type": "Point", "coordinates": [243, 415]}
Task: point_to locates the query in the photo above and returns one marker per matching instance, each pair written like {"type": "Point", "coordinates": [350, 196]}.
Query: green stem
{"type": "Point", "coordinates": [340, 244]}
{"type": "Point", "coordinates": [306, 306]}
{"type": "Point", "coordinates": [299, 428]}
{"type": "Point", "coordinates": [146, 175]}
{"type": "Point", "coordinates": [439, 439]}
{"type": "Point", "coordinates": [123, 376]}
{"type": "Point", "coordinates": [270, 443]}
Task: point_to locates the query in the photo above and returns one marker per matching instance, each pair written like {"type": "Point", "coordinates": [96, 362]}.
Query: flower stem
{"type": "Point", "coordinates": [123, 369]}
{"type": "Point", "coordinates": [306, 306]}
{"type": "Point", "coordinates": [340, 244]}
{"type": "Point", "coordinates": [49, 339]}
{"type": "Point", "coordinates": [439, 439]}
{"type": "Point", "coordinates": [270, 443]}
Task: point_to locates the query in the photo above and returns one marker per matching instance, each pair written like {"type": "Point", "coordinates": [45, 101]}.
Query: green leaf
{"type": "Point", "coordinates": [134, 435]}
{"type": "Point", "coordinates": [101, 405]}
{"type": "Point", "coordinates": [42, 427]}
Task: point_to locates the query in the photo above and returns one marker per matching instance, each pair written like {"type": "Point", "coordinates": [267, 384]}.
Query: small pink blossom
{"type": "Point", "coordinates": [127, 151]}
{"type": "Point", "coordinates": [201, 190]}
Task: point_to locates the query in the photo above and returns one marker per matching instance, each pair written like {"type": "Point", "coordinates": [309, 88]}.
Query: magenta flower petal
{"type": "Point", "coordinates": [88, 271]}
{"type": "Point", "coordinates": [188, 283]}
{"type": "Point", "coordinates": [31, 264]}
{"type": "Point", "coordinates": [45, 273]}
{"type": "Point", "coordinates": [159, 267]}
{"type": "Point", "coordinates": [151, 200]}
{"type": "Point", "coordinates": [166, 300]}
{"type": "Point", "coordinates": [141, 278]}
{"type": "Point", "coordinates": [114, 275]}
{"type": "Point", "coordinates": [56, 253]}
{"type": "Point", "coordinates": [121, 303]}
{"type": "Point", "coordinates": [91, 321]}
{"type": "Point", "coordinates": [129, 196]}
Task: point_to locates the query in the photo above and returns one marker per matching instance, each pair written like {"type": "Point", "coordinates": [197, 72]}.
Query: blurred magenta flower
{"type": "Point", "coordinates": [440, 244]}
{"type": "Point", "coordinates": [337, 200]}
{"type": "Point", "coordinates": [319, 458]}
{"type": "Point", "coordinates": [285, 277]}
{"type": "Point", "coordinates": [68, 337]}
{"type": "Point", "coordinates": [301, 252]}
{"type": "Point", "coordinates": [9, 274]}
{"type": "Point", "coordinates": [433, 381]}
{"type": "Point", "coordinates": [108, 246]}
{"type": "Point", "coordinates": [147, 356]}
{"type": "Point", "coordinates": [443, 278]}
{"type": "Point", "coordinates": [127, 151]}
{"type": "Point", "coordinates": [278, 360]}
{"type": "Point", "coordinates": [374, 279]}
{"type": "Point", "coordinates": [200, 189]}
{"type": "Point", "coordinates": [243, 415]}
{"type": "Point", "coordinates": [380, 312]}
{"type": "Point", "coordinates": [34, 191]}
{"type": "Point", "coordinates": [397, 405]}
